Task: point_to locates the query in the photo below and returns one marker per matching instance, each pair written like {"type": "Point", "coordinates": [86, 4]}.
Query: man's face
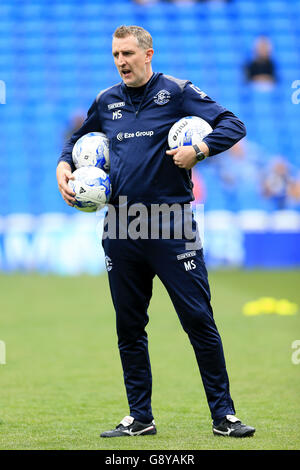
{"type": "Point", "coordinates": [133, 62]}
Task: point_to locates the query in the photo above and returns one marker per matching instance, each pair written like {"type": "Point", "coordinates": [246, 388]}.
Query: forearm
{"type": "Point", "coordinates": [91, 124]}
{"type": "Point", "coordinates": [227, 128]}
{"type": "Point", "coordinates": [228, 131]}
{"type": "Point", "coordinates": [66, 155]}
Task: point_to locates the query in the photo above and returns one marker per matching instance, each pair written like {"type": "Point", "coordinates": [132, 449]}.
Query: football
{"type": "Point", "coordinates": [92, 188]}
{"type": "Point", "coordinates": [189, 130]}
{"type": "Point", "coordinates": [92, 149]}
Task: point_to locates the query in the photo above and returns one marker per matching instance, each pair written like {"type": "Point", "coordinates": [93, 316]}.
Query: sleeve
{"type": "Point", "coordinates": [227, 128]}
{"type": "Point", "coordinates": [91, 124]}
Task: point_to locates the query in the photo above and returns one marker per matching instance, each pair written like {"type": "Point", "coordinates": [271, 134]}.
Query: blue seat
{"type": "Point", "coordinates": [246, 8]}
{"type": "Point", "coordinates": [64, 59]}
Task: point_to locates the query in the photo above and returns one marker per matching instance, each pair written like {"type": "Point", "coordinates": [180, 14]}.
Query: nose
{"type": "Point", "coordinates": [121, 60]}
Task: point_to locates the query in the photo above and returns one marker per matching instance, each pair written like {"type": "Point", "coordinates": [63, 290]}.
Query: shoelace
{"type": "Point", "coordinates": [237, 424]}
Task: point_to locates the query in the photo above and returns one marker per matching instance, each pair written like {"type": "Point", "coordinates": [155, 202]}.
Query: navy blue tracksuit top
{"type": "Point", "coordinates": [137, 123]}
{"type": "Point", "coordinates": [139, 166]}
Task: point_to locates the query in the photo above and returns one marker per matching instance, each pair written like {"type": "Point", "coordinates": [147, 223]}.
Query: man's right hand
{"type": "Point", "coordinates": [63, 175]}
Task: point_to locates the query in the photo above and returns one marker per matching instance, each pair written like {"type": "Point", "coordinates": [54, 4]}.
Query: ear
{"type": "Point", "coordinates": [148, 55]}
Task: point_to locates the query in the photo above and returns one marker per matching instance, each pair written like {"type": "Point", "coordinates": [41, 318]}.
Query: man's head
{"type": "Point", "coordinates": [132, 51]}
{"type": "Point", "coordinates": [263, 48]}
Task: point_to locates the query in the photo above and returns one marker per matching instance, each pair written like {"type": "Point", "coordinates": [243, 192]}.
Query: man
{"type": "Point", "coordinates": [261, 69]}
{"type": "Point", "coordinates": [136, 116]}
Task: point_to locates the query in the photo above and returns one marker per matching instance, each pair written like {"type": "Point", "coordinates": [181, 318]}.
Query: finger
{"type": "Point", "coordinates": [63, 186]}
{"type": "Point", "coordinates": [68, 175]}
{"type": "Point", "coordinates": [69, 201]}
{"type": "Point", "coordinates": [69, 192]}
{"type": "Point", "coordinates": [178, 163]}
{"type": "Point", "coordinates": [66, 199]}
{"type": "Point", "coordinates": [69, 198]}
{"type": "Point", "coordinates": [68, 195]}
{"type": "Point", "coordinates": [172, 151]}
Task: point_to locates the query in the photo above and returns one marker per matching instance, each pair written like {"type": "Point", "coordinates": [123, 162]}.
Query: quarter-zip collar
{"type": "Point", "coordinates": [146, 88]}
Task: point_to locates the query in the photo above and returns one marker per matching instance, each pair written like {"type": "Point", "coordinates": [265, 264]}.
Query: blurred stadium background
{"type": "Point", "coordinates": [54, 59]}
{"type": "Point", "coordinates": [62, 382]}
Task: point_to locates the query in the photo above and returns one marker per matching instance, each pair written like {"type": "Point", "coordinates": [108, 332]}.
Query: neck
{"type": "Point", "coordinates": [149, 75]}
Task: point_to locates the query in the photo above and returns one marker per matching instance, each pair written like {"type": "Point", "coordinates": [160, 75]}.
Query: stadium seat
{"type": "Point", "coordinates": [54, 60]}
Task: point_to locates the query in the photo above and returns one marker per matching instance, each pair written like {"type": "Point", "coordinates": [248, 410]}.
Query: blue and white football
{"type": "Point", "coordinates": [189, 130]}
{"type": "Point", "coordinates": [92, 149]}
{"type": "Point", "coordinates": [92, 188]}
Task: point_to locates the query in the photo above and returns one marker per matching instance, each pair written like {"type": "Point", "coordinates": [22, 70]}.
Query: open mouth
{"type": "Point", "coordinates": [126, 73]}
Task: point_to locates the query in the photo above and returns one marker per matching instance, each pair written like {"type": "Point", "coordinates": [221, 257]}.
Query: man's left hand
{"type": "Point", "coordinates": [185, 156]}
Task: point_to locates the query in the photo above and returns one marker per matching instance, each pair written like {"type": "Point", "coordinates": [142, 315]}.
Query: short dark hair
{"type": "Point", "coordinates": [143, 37]}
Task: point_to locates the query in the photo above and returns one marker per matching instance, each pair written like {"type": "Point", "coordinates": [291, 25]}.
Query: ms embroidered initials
{"type": "Point", "coordinates": [189, 265]}
{"type": "Point", "coordinates": [117, 114]}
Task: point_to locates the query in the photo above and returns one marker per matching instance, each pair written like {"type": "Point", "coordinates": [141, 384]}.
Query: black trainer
{"type": "Point", "coordinates": [233, 427]}
{"type": "Point", "coordinates": [131, 427]}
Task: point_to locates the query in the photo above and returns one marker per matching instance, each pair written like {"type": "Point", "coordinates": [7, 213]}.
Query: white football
{"type": "Point", "coordinates": [92, 188]}
{"type": "Point", "coordinates": [92, 149]}
{"type": "Point", "coordinates": [189, 130]}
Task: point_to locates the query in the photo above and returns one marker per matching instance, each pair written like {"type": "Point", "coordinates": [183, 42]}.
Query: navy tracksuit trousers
{"type": "Point", "coordinates": [132, 265]}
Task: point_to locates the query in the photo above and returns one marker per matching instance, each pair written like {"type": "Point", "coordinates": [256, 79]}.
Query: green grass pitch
{"type": "Point", "coordinates": [62, 382]}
